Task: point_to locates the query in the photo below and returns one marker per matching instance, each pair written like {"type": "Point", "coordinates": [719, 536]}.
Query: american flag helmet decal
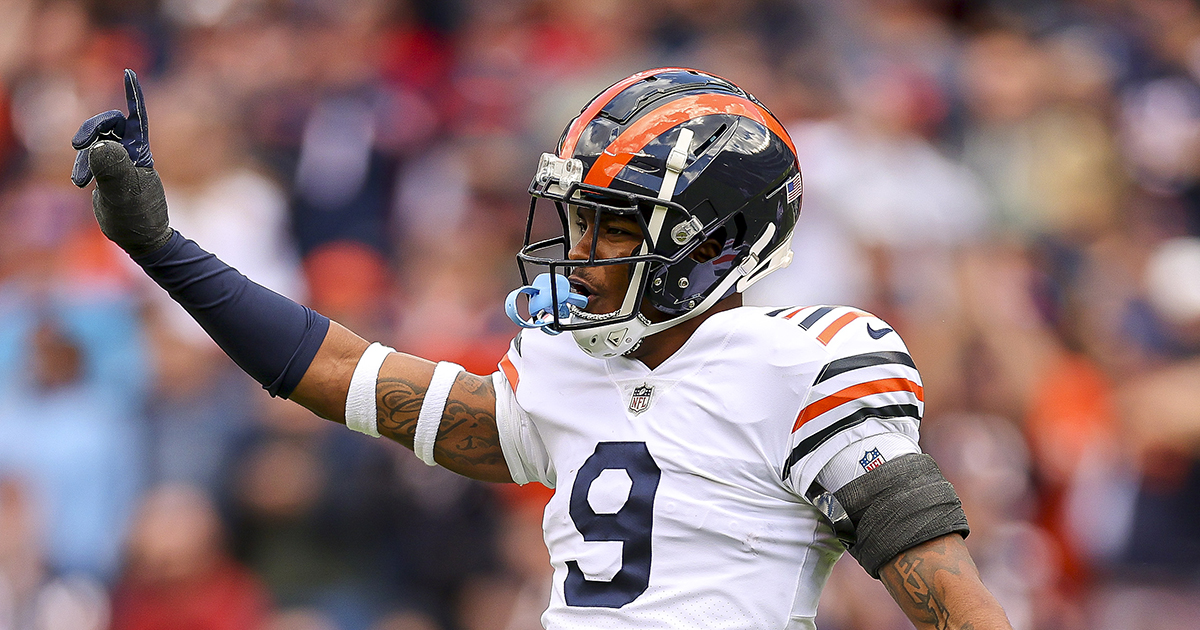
{"type": "Point", "coordinates": [794, 187]}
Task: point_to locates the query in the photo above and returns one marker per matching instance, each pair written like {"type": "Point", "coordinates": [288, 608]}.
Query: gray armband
{"type": "Point", "coordinates": [899, 505]}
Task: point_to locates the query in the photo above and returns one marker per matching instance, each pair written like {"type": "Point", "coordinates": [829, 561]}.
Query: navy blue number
{"type": "Point", "coordinates": [631, 525]}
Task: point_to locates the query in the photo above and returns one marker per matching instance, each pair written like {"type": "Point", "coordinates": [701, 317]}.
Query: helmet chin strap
{"type": "Point", "coordinates": [612, 340]}
{"type": "Point", "coordinates": [605, 342]}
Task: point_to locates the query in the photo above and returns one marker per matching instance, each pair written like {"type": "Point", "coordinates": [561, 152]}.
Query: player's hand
{"type": "Point", "coordinates": [128, 201]}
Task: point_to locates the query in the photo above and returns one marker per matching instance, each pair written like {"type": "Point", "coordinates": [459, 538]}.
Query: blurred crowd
{"type": "Point", "coordinates": [1013, 184]}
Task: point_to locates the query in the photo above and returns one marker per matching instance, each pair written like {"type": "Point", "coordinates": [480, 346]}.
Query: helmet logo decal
{"type": "Point", "coordinates": [640, 401]}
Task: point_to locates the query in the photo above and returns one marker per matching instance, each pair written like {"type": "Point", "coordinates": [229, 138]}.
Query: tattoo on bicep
{"type": "Point", "coordinates": [468, 434]}
{"type": "Point", "coordinates": [911, 581]}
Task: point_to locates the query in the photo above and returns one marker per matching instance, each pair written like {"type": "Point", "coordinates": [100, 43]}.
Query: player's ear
{"type": "Point", "coordinates": [707, 251]}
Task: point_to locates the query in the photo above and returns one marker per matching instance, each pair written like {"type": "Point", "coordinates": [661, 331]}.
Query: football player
{"type": "Point", "coordinates": [710, 461]}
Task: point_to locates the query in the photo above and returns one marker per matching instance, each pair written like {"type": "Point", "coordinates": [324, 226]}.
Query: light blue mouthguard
{"type": "Point", "coordinates": [540, 298]}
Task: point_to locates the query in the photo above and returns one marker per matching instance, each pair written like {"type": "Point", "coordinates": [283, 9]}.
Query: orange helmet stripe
{"type": "Point", "coordinates": [648, 127]}
{"type": "Point", "coordinates": [593, 109]}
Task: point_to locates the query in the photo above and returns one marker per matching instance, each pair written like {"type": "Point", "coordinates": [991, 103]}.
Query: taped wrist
{"type": "Point", "coordinates": [270, 337]}
{"type": "Point", "coordinates": [899, 505]}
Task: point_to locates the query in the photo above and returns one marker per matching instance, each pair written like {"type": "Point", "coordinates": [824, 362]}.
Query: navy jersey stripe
{"type": "Point", "coordinates": [774, 313]}
{"type": "Point", "coordinates": [814, 316]}
{"type": "Point", "coordinates": [810, 443]}
{"type": "Point", "coordinates": [843, 365]}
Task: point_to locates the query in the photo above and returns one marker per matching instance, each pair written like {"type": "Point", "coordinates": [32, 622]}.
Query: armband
{"type": "Point", "coordinates": [899, 505]}
{"type": "Point", "coordinates": [361, 412]}
{"type": "Point", "coordinates": [432, 407]}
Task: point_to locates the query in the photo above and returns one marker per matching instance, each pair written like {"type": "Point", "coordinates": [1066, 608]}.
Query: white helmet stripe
{"type": "Point", "coordinates": [675, 165]}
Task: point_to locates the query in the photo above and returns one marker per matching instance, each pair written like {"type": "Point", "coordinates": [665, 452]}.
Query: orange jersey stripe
{"type": "Point", "coordinates": [510, 373]}
{"type": "Point", "coordinates": [648, 127]}
{"type": "Point", "coordinates": [854, 392]}
{"type": "Point", "coordinates": [794, 313]}
{"type": "Point", "coordinates": [837, 325]}
{"type": "Point", "coordinates": [593, 109]}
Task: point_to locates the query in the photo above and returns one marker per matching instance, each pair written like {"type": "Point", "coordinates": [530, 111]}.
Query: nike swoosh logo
{"type": "Point", "coordinates": [877, 334]}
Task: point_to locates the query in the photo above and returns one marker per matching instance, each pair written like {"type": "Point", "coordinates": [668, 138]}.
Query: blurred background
{"type": "Point", "coordinates": [1013, 184]}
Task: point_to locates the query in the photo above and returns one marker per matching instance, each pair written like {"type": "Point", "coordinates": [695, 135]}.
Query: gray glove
{"type": "Point", "coordinates": [128, 201]}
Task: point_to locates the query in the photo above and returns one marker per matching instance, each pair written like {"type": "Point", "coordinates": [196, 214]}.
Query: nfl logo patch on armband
{"type": "Point", "coordinates": [871, 460]}
{"type": "Point", "coordinates": [640, 401]}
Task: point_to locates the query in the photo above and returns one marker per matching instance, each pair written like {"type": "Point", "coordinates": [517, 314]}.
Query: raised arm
{"type": "Point", "coordinates": [291, 350]}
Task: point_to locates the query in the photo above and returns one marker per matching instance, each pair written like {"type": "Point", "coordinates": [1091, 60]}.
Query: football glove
{"type": "Point", "coordinates": [128, 201]}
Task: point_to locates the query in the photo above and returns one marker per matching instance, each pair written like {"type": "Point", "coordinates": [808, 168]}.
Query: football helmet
{"type": "Point", "coordinates": [690, 156]}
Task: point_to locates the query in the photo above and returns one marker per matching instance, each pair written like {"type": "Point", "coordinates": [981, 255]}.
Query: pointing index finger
{"type": "Point", "coordinates": [137, 104]}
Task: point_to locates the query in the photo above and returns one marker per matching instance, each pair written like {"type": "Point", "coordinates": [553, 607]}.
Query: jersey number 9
{"type": "Point", "coordinates": [631, 525]}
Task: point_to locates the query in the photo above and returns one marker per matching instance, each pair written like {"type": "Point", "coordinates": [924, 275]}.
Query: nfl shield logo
{"type": "Point", "coordinates": [641, 399]}
{"type": "Point", "coordinates": [871, 460]}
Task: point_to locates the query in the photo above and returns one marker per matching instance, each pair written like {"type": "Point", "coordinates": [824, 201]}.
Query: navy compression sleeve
{"type": "Point", "coordinates": [269, 336]}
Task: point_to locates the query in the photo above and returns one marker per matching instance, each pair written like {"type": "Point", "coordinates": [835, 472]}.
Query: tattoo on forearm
{"type": "Point", "coordinates": [399, 405]}
{"type": "Point", "coordinates": [911, 579]}
{"type": "Point", "coordinates": [918, 589]}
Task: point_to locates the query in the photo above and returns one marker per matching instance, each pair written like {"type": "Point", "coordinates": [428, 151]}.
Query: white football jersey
{"type": "Point", "coordinates": [680, 492]}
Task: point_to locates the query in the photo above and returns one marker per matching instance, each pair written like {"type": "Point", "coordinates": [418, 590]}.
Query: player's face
{"type": "Point", "coordinates": [603, 285]}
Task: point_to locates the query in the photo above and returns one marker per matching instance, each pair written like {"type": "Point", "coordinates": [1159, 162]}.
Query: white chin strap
{"type": "Point", "coordinates": [612, 340]}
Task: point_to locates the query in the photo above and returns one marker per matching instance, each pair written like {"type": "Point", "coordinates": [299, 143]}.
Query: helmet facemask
{"type": "Point", "coordinates": [569, 198]}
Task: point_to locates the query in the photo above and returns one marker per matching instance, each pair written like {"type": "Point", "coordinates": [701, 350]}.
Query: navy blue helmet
{"type": "Point", "coordinates": [690, 156]}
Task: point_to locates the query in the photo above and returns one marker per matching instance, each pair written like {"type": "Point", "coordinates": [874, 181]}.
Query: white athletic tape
{"type": "Point", "coordinates": [360, 400]}
{"type": "Point", "coordinates": [432, 408]}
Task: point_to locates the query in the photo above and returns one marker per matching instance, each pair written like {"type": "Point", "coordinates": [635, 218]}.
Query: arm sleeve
{"type": "Point", "coordinates": [520, 442]}
{"type": "Point", "coordinates": [270, 337]}
{"type": "Point", "coordinates": [866, 397]}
